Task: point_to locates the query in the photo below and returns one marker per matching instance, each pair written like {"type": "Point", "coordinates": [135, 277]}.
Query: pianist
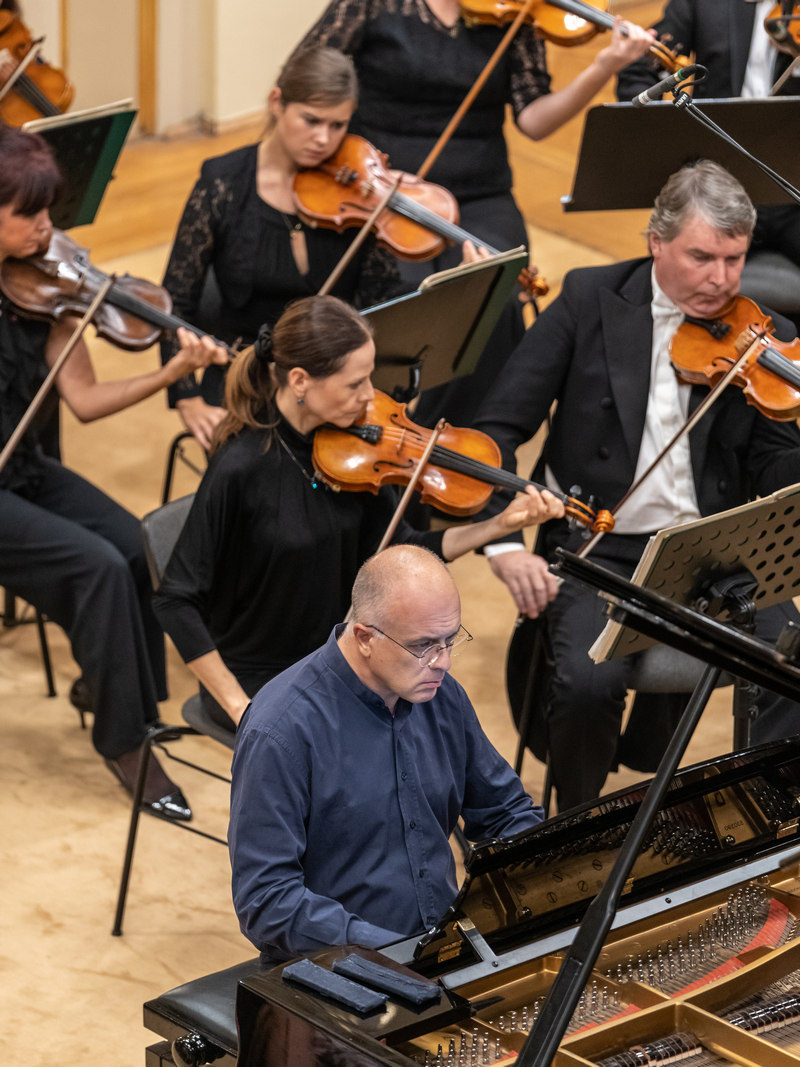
{"type": "Point", "coordinates": [352, 767]}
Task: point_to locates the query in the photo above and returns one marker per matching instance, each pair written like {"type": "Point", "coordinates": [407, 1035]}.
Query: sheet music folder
{"type": "Point", "coordinates": [437, 333]}
{"type": "Point", "coordinates": [86, 145]}
{"type": "Point", "coordinates": [627, 152]}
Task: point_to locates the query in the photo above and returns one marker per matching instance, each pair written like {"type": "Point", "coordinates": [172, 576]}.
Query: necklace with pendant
{"type": "Point", "coordinates": [315, 480]}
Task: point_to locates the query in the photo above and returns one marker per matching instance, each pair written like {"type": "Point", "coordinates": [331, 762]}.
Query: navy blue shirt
{"type": "Point", "coordinates": [341, 812]}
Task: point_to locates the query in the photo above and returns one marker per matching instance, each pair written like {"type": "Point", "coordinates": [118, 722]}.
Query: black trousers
{"type": "Point", "coordinates": [76, 555]}
{"type": "Point", "coordinates": [496, 220]}
{"type": "Point", "coordinates": [587, 699]}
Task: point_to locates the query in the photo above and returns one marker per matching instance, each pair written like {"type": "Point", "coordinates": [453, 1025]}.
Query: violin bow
{"type": "Point", "coordinates": [476, 87]}
{"type": "Point", "coordinates": [20, 68]}
{"type": "Point", "coordinates": [688, 425]}
{"type": "Point", "coordinates": [359, 239]}
{"type": "Point", "coordinates": [402, 503]}
{"type": "Point", "coordinates": [60, 360]}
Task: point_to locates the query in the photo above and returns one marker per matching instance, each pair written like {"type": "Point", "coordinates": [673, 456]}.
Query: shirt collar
{"type": "Point", "coordinates": [335, 661]}
{"type": "Point", "coordinates": [661, 303]}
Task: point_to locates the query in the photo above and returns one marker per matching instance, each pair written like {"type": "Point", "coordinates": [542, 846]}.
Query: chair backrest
{"type": "Point", "coordinates": [161, 529]}
{"type": "Point", "coordinates": [773, 279]}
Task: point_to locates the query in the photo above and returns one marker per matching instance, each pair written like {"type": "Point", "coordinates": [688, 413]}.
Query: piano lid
{"type": "Point", "coordinates": [715, 815]}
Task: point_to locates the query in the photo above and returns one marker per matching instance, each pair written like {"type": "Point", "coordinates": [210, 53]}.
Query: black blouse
{"type": "Point", "coordinates": [265, 564]}
{"type": "Point", "coordinates": [414, 71]}
{"type": "Point", "coordinates": [228, 227]}
{"type": "Point", "coordinates": [22, 370]}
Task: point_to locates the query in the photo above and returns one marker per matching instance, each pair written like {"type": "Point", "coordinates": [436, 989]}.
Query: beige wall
{"type": "Point", "coordinates": [43, 19]}
{"type": "Point", "coordinates": [215, 59]}
{"type": "Point", "coordinates": [102, 48]}
{"type": "Point", "coordinates": [218, 58]}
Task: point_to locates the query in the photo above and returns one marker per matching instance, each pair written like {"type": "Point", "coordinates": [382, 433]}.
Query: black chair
{"type": "Point", "coordinates": [658, 670]}
{"type": "Point", "coordinates": [772, 279]}
{"type": "Point", "coordinates": [12, 617]}
{"type": "Point", "coordinates": [161, 530]}
{"type": "Point", "coordinates": [198, 1020]}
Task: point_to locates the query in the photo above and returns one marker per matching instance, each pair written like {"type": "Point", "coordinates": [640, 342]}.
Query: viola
{"type": "Point", "coordinates": [40, 90]}
{"type": "Point", "coordinates": [703, 351]}
{"type": "Point", "coordinates": [783, 27]}
{"type": "Point", "coordinates": [344, 190]}
{"type": "Point", "coordinates": [564, 22]}
{"type": "Point", "coordinates": [384, 445]}
{"type": "Point", "coordinates": [62, 281]}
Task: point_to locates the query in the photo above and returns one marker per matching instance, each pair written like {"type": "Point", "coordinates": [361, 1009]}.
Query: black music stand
{"type": "Point", "coordinates": [719, 645]}
{"type": "Point", "coordinates": [627, 152]}
{"type": "Point", "coordinates": [437, 333]}
{"type": "Point", "coordinates": [86, 145]}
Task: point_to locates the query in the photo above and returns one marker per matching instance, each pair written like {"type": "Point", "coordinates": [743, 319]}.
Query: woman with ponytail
{"type": "Point", "coordinates": [264, 566]}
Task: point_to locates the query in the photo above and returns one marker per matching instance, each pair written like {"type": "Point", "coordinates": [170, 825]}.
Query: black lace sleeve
{"type": "Point", "coordinates": [191, 254]}
{"type": "Point", "coordinates": [341, 25]}
{"type": "Point", "coordinates": [379, 278]}
{"type": "Point", "coordinates": [529, 75]}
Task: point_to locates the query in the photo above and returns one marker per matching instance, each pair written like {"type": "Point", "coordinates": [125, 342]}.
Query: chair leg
{"type": "Point", "coordinates": [547, 788]}
{"type": "Point", "coordinates": [46, 663]}
{"type": "Point", "coordinates": [170, 470]}
{"type": "Point", "coordinates": [9, 609]}
{"type": "Point", "coordinates": [136, 811]}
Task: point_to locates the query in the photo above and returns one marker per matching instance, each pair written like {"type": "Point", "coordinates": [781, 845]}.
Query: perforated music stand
{"type": "Point", "coordinates": [431, 336]}
{"type": "Point", "coordinates": [679, 563]}
{"type": "Point", "coordinates": [627, 152]}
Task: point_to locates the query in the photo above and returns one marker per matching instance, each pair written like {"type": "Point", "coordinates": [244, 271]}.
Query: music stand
{"type": "Point", "coordinates": [611, 175]}
{"type": "Point", "coordinates": [437, 333]}
{"type": "Point", "coordinates": [681, 562]}
{"type": "Point", "coordinates": [723, 648]}
{"type": "Point", "coordinates": [86, 145]}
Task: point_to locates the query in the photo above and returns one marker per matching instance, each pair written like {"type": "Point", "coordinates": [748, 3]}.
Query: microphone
{"type": "Point", "coordinates": [666, 85]}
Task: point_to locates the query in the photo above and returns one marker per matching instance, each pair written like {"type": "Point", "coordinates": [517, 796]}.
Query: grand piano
{"type": "Point", "coordinates": [702, 964]}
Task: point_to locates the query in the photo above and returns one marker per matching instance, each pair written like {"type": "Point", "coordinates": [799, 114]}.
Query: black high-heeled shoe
{"type": "Point", "coordinates": [80, 700]}
{"type": "Point", "coordinates": [161, 796]}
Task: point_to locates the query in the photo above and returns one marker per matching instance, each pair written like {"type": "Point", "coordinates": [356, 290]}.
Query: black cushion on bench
{"type": "Point", "coordinates": [206, 1005]}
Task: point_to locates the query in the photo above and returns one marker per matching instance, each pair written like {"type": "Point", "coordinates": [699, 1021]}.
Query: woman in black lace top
{"type": "Point", "coordinates": [240, 221]}
{"type": "Point", "coordinates": [416, 60]}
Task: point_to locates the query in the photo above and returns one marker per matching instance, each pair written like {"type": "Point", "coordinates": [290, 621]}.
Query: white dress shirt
{"type": "Point", "coordinates": [758, 75]}
{"type": "Point", "coordinates": [668, 495]}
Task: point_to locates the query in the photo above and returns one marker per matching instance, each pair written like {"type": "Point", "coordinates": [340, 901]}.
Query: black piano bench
{"type": "Point", "coordinates": [198, 1020]}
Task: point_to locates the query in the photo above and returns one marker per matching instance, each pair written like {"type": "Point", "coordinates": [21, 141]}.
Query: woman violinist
{"type": "Point", "coordinates": [264, 566]}
{"type": "Point", "coordinates": [65, 546]}
{"type": "Point", "coordinates": [416, 61]}
{"type": "Point", "coordinates": [240, 223]}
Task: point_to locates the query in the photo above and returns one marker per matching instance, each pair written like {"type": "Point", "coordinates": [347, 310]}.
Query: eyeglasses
{"type": "Point", "coordinates": [428, 654]}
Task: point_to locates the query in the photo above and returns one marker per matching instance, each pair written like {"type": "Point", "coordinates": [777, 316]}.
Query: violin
{"type": "Point", "coordinates": [383, 446]}
{"type": "Point", "coordinates": [564, 22]}
{"type": "Point", "coordinates": [40, 90]}
{"type": "Point", "coordinates": [703, 351]}
{"type": "Point", "coordinates": [783, 27]}
{"type": "Point", "coordinates": [62, 281]}
{"type": "Point", "coordinates": [344, 190]}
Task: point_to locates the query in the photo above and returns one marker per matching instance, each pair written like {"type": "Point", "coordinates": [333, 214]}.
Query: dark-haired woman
{"type": "Point", "coordinates": [264, 566]}
{"type": "Point", "coordinates": [65, 546]}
